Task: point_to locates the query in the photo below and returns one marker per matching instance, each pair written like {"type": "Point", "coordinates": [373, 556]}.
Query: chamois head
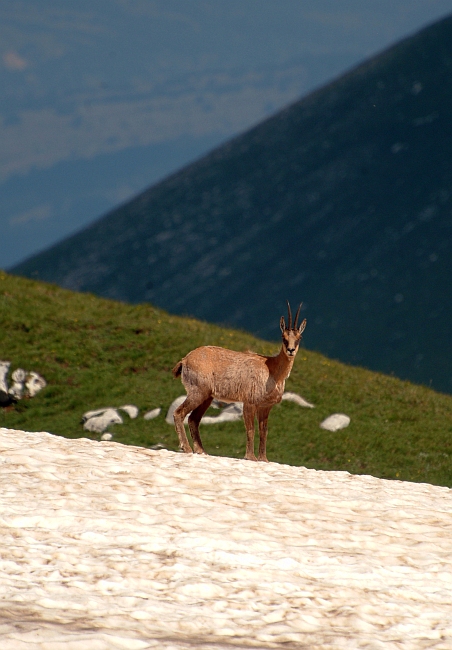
{"type": "Point", "coordinates": [291, 336]}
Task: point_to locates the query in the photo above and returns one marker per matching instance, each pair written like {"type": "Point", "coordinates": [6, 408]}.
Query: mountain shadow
{"type": "Point", "coordinates": [342, 200]}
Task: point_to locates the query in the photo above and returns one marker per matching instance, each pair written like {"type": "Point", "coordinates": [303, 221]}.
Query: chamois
{"type": "Point", "coordinates": [256, 380]}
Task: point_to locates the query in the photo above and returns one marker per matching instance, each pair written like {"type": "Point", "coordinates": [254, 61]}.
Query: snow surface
{"type": "Point", "coordinates": [104, 546]}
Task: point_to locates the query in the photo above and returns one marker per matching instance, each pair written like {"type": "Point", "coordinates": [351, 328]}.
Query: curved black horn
{"type": "Point", "coordinates": [296, 316]}
{"type": "Point", "coordinates": [289, 326]}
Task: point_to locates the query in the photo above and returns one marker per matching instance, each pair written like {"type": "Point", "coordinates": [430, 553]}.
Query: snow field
{"type": "Point", "coordinates": [104, 546]}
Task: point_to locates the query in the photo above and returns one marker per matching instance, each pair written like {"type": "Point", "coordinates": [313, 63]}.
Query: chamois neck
{"type": "Point", "coordinates": [282, 365]}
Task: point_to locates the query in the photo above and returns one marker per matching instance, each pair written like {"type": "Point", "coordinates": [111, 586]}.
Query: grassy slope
{"type": "Point", "coordinates": [95, 352]}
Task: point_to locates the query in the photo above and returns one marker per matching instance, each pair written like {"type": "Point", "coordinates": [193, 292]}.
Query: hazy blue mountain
{"type": "Point", "coordinates": [99, 99]}
{"type": "Point", "coordinates": [343, 200]}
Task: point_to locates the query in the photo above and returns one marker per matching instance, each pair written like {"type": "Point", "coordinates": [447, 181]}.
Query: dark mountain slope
{"type": "Point", "coordinates": [343, 200]}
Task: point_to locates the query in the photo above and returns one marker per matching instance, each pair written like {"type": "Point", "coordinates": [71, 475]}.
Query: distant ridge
{"type": "Point", "coordinates": [342, 200]}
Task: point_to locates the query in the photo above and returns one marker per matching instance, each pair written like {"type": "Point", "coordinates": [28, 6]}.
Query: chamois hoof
{"type": "Point", "coordinates": [263, 459]}
{"type": "Point", "coordinates": [186, 450]}
{"type": "Point", "coordinates": [253, 457]}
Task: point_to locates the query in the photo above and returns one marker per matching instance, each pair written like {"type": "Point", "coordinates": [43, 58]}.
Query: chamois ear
{"type": "Point", "coordinates": [282, 324]}
{"type": "Point", "coordinates": [302, 327]}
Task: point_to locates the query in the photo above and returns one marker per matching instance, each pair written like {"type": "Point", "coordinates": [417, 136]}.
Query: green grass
{"type": "Point", "coordinates": [95, 352]}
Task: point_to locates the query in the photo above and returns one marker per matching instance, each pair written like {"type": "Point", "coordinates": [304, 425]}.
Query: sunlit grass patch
{"type": "Point", "coordinates": [95, 353]}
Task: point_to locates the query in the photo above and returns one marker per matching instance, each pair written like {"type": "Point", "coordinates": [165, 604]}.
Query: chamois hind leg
{"type": "Point", "coordinates": [190, 404]}
{"type": "Point", "coordinates": [193, 424]}
{"type": "Point", "coordinates": [263, 431]}
{"type": "Point", "coordinates": [249, 413]}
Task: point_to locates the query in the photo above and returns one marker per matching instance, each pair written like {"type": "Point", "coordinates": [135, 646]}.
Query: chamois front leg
{"type": "Point", "coordinates": [249, 413]}
{"type": "Point", "coordinates": [193, 424]}
{"type": "Point", "coordinates": [263, 414]}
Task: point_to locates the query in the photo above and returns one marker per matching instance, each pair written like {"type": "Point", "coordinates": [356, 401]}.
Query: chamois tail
{"type": "Point", "coordinates": [177, 370]}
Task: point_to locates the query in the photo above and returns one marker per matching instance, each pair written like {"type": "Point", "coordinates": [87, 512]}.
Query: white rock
{"type": "Point", "coordinates": [17, 389]}
{"type": "Point", "coordinates": [231, 413]}
{"type": "Point", "coordinates": [4, 368]}
{"type": "Point", "coordinates": [293, 397]}
{"type": "Point", "coordinates": [96, 412]}
{"type": "Point", "coordinates": [5, 397]}
{"type": "Point", "coordinates": [177, 402]}
{"type": "Point", "coordinates": [106, 436]}
{"type": "Point", "coordinates": [159, 445]}
{"type": "Point", "coordinates": [34, 383]}
{"type": "Point", "coordinates": [98, 422]}
{"type": "Point", "coordinates": [131, 410]}
{"type": "Point", "coordinates": [150, 415]}
{"type": "Point", "coordinates": [335, 422]}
